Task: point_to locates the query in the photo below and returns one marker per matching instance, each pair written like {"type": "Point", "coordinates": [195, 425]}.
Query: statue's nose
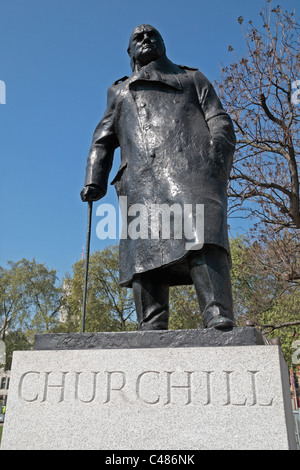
{"type": "Point", "coordinates": [146, 37]}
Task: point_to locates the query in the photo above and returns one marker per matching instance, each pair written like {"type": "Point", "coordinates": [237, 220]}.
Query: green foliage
{"type": "Point", "coordinates": [242, 278]}
{"type": "Point", "coordinates": [15, 341]}
{"type": "Point", "coordinates": [109, 307]}
{"type": "Point", "coordinates": [262, 295]}
{"type": "Point", "coordinates": [29, 303]}
{"type": "Point", "coordinates": [284, 312]}
{"type": "Point", "coordinates": [29, 297]}
{"type": "Point", "coordinates": [184, 308]}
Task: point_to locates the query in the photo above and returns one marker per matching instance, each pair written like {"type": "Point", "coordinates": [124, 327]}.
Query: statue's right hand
{"type": "Point", "coordinates": [91, 193]}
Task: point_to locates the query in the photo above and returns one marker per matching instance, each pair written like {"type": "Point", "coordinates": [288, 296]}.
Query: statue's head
{"type": "Point", "coordinates": [145, 45]}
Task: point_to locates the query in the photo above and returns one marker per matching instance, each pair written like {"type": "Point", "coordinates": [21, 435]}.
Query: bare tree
{"type": "Point", "coordinates": [260, 93]}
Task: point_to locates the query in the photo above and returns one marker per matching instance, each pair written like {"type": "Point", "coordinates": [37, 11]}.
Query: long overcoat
{"type": "Point", "coordinates": [177, 144]}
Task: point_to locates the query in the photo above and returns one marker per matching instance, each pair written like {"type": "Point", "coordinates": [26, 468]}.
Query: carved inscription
{"type": "Point", "coordinates": [148, 388]}
{"type": "Point", "coordinates": [187, 387]}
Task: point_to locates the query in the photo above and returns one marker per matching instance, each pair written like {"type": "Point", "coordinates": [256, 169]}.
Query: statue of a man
{"type": "Point", "coordinates": [177, 145]}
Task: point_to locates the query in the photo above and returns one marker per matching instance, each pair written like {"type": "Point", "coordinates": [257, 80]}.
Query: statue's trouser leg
{"type": "Point", "coordinates": [151, 297]}
{"type": "Point", "coordinates": [211, 277]}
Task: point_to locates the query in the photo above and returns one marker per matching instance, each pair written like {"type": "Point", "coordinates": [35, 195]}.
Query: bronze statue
{"type": "Point", "coordinates": [177, 145]}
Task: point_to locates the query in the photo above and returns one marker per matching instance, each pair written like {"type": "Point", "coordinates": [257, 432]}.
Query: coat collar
{"type": "Point", "coordinates": [161, 70]}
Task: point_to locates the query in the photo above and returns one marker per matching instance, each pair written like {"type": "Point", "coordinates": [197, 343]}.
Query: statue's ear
{"type": "Point", "coordinates": [132, 61]}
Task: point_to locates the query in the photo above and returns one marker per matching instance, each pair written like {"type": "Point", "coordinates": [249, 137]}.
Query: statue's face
{"type": "Point", "coordinates": [145, 45]}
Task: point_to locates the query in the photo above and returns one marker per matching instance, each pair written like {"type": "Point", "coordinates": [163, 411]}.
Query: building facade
{"type": "Point", "coordinates": [4, 386]}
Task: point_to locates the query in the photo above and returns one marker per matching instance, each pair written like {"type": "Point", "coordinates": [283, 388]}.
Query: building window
{"type": "Point", "coordinates": [3, 383]}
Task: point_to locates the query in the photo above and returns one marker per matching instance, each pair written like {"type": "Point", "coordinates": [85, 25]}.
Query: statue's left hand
{"type": "Point", "coordinates": [91, 193]}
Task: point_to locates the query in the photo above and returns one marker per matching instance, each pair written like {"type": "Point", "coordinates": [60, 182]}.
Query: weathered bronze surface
{"type": "Point", "coordinates": [211, 337]}
{"type": "Point", "coordinates": [177, 145]}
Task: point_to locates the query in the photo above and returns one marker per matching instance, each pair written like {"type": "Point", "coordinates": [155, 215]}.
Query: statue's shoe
{"type": "Point", "coordinates": [221, 323]}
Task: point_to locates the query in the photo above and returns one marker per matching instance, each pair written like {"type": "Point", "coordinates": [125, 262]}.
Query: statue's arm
{"type": "Point", "coordinates": [218, 121]}
{"type": "Point", "coordinates": [101, 153]}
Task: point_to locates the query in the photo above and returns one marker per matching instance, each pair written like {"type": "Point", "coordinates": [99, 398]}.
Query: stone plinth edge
{"type": "Point", "coordinates": [246, 336]}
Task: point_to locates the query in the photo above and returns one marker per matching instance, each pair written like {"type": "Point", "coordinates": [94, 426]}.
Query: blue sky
{"type": "Point", "coordinates": [57, 59]}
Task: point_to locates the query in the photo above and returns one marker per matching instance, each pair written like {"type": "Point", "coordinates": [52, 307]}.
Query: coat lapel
{"type": "Point", "coordinates": [162, 71]}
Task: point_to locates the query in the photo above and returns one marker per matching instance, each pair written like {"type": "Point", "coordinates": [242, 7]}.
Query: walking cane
{"type": "Point", "coordinates": [87, 256]}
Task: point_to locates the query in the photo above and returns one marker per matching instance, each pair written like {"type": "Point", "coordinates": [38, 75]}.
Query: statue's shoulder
{"type": "Point", "coordinates": [185, 67]}
{"type": "Point", "coordinates": [120, 80]}
{"type": "Point", "coordinates": [115, 91]}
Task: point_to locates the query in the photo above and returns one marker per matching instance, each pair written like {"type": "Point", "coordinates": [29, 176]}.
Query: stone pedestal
{"type": "Point", "coordinates": [150, 398]}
